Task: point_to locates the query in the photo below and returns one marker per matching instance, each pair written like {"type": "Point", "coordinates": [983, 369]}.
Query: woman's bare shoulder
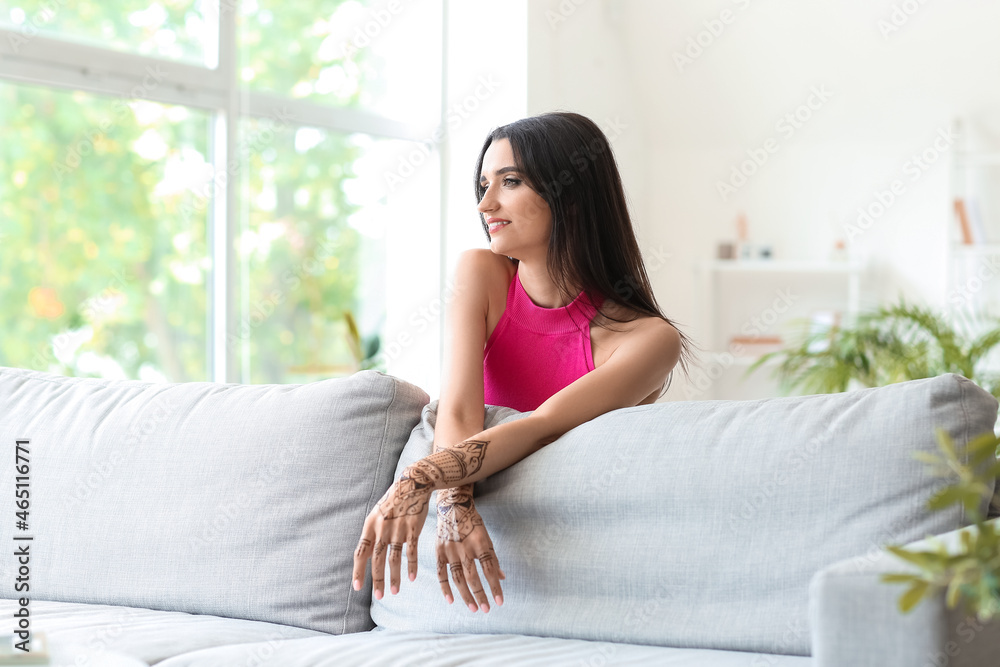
{"type": "Point", "coordinates": [484, 270]}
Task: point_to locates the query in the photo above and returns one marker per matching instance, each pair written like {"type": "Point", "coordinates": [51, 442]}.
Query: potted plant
{"type": "Point", "coordinates": [891, 344]}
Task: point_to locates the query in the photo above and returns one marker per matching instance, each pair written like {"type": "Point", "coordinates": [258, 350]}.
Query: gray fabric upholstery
{"type": "Point", "coordinates": [150, 635]}
{"type": "Point", "coordinates": [426, 649]}
{"type": "Point", "coordinates": [699, 524]}
{"type": "Point", "coordinates": [856, 620]}
{"type": "Point", "coordinates": [243, 501]}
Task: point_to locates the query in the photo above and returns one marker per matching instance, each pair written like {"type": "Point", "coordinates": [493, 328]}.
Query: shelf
{"type": "Point", "coordinates": [781, 266]}
{"type": "Point", "coordinates": [723, 358]}
{"type": "Point", "coordinates": [977, 159]}
{"type": "Point", "coordinates": [977, 248]}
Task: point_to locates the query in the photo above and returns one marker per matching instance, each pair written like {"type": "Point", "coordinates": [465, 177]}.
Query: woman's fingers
{"type": "Point", "coordinates": [395, 561]}
{"type": "Point", "coordinates": [378, 568]}
{"type": "Point", "coordinates": [475, 584]}
{"type": "Point", "coordinates": [361, 556]}
{"type": "Point", "coordinates": [458, 576]}
{"type": "Point", "coordinates": [411, 555]}
{"type": "Point", "coordinates": [491, 570]}
{"type": "Point", "coordinates": [442, 574]}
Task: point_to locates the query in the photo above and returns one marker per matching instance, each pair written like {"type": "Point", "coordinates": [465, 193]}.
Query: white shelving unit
{"type": "Point", "coordinates": [973, 270]}
{"type": "Point", "coordinates": [743, 301]}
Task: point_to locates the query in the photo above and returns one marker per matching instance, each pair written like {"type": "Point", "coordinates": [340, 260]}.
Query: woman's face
{"type": "Point", "coordinates": [518, 218]}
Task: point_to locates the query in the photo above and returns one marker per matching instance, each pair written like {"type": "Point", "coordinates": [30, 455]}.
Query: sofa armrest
{"type": "Point", "coordinates": [855, 620]}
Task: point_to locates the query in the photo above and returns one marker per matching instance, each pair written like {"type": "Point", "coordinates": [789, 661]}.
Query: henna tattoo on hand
{"type": "Point", "coordinates": [444, 468]}
{"type": "Point", "coordinates": [363, 547]}
{"type": "Point", "coordinates": [457, 515]}
{"type": "Point", "coordinates": [413, 492]}
{"type": "Point", "coordinates": [379, 548]}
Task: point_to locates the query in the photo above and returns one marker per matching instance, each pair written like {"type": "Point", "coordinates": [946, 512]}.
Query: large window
{"type": "Point", "coordinates": [196, 190]}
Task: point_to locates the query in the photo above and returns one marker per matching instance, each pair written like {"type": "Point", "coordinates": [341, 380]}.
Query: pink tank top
{"type": "Point", "coordinates": [534, 352]}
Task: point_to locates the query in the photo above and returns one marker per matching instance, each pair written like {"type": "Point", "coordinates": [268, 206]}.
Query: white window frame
{"type": "Point", "coordinates": [28, 57]}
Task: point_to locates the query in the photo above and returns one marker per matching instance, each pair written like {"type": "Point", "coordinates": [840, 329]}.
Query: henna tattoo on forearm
{"type": "Point", "coordinates": [442, 469]}
{"type": "Point", "coordinates": [458, 462]}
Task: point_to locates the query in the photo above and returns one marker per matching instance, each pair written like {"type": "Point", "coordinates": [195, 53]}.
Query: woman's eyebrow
{"type": "Point", "coordinates": [501, 170]}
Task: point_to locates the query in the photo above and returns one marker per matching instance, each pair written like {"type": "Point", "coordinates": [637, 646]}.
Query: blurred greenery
{"type": "Point", "coordinates": [968, 572]}
{"type": "Point", "coordinates": [894, 343]}
{"type": "Point", "coordinates": [173, 29]}
{"type": "Point", "coordinates": [93, 258]}
{"type": "Point", "coordinates": [104, 209]}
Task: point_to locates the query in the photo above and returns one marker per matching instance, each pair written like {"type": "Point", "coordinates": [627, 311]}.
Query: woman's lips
{"type": "Point", "coordinates": [494, 226]}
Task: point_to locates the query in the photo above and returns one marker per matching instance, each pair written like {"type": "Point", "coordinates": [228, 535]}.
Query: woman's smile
{"type": "Point", "coordinates": [496, 224]}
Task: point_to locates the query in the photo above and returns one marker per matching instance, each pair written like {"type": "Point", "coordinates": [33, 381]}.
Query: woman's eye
{"type": "Point", "coordinates": [511, 182]}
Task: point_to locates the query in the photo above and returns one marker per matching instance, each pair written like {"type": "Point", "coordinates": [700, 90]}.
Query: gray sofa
{"type": "Point", "coordinates": [203, 524]}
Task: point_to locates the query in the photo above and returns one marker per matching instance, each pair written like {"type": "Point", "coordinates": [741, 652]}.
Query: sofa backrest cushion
{"type": "Point", "coordinates": [243, 501]}
{"type": "Point", "coordinates": [699, 524]}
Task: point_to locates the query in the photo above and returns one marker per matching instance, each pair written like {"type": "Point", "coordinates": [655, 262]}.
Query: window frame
{"type": "Point", "coordinates": [28, 57]}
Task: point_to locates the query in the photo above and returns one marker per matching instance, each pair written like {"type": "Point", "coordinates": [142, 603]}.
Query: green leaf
{"type": "Point", "coordinates": [913, 596]}
{"type": "Point", "coordinates": [928, 458]}
{"type": "Point", "coordinates": [982, 448]}
{"type": "Point", "coordinates": [946, 497]}
{"type": "Point", "coordinates": [954, 589]}
{"type": "Point", "coordinates": [922, 559]}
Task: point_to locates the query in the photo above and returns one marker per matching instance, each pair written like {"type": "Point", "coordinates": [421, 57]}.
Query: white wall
{"type": "Point", "coordinates": [485, 74]}
{"type": "Point", "coordinates": [891, 82]}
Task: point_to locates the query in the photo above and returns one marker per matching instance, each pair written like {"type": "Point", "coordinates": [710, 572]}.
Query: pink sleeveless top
{"type": "Point", "coordinates": [534, 352]}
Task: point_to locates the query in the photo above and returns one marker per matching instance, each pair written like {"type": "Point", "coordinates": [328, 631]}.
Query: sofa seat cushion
{"type": "Point", "coordinates": [243, 501]}
{"type": "Point", "coordinates": [147, 634]}
{"type": "Point", "coordinates": [699, 524]}
{"type": "Point", "coordinates": [428, 649]}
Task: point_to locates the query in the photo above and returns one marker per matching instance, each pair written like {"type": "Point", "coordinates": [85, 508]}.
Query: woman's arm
{"type": "Point", "coordinates": [633, 371]}
{"type": "Point", "coordinates": [460, 406]}
{"type": "Point", "coordinates": [636, 369]}
{"type": "Point", "coordinates": [461, 535]}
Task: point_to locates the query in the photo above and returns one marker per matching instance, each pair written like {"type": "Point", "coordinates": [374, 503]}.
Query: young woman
{"type": "Point", "coordinates": [557, 317]}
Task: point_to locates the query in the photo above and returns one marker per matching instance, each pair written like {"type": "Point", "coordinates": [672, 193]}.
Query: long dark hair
{"type": "Point", "coordinates": [567, 159]}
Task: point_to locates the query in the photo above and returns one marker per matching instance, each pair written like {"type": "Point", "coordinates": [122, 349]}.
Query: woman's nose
{"type": "Point", "coordinates": [487, 203]}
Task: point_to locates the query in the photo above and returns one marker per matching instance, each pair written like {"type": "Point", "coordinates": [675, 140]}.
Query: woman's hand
{"type": "Point", "coordinates": [396, 519]}
{"type": "Point", "coordinates": [461, 540]}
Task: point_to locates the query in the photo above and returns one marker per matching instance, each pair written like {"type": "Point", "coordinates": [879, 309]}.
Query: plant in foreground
{"type": "Point", "coordinates": [971, 572]}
